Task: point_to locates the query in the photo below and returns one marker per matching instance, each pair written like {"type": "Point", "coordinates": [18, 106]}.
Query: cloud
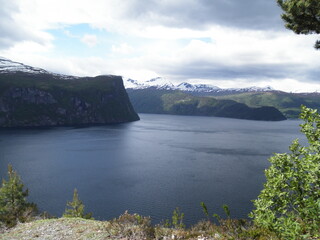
{"type": "Point", "coordinates": [253, 55]}
{"type": "Point", "coordinates": [219, 41]}
{"type": "Point", "coordinates": [13, 31]}
{"type": "Point", "coordinates": [122, 48]}
{"type": "Point", "coordinates": [200, 14]}
{"type": "Point", "coordinates": [69, 34]}
{"type": "Point", "coordinates": [250, 72]}
{"type": "Point", "coordinates": [146, 18]}
{"type": "Point", "coordinates": [90, 40]}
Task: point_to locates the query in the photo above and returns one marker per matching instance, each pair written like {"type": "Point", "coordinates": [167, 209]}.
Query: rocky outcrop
{"type": "Point", "coordinates": [28, 100]}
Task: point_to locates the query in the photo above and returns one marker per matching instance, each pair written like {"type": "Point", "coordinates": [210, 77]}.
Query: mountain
{"type": "Point", "coordinates": [162, 101]}
{"type": "Point", "coordinates": [158, 83]}
{"type": "Point", "coordinates": [9, 66]}
{"type": "Point", "coordinates": [288, 103]}
{"type": "Point", "coordinates": [188, 87]}
{"type": "Point", "coordinates": [195, 89]}
{"type": "Point", "coordinates": [33, 97]}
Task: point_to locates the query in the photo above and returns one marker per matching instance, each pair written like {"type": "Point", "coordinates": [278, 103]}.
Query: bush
{"type": "Point", "coordinates": [132, 226]}
{"type": "Point", "coordinates": [289, 204]}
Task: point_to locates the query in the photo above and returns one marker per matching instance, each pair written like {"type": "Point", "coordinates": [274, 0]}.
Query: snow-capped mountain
{"type": "Point", "coordinates": [159, 83]}
{"type": "Point", "coordinates": [164, 84]}
{"type": "Point", "coordinates": [188, 87]}
{"type": "Point", "coordinates": [8, 66]}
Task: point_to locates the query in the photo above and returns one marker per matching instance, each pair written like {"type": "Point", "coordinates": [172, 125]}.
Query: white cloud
{"type": "Point", "coordinates": [171, 36]}
{"type": "Point", "coordinates": [70, 35]}
{"type": "Point", "coordinates": [90, 40]}
{"type": "Point", "coordinates": [122, 48]}
{"type": "Point", "coordinates": [238, 51]}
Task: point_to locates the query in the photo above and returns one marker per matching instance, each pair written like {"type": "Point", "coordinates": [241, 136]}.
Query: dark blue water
{"type": "Point", "coordinates": [148, 167]}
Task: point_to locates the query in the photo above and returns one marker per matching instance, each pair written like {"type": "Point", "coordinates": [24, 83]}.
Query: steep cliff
{"type": "Point", "coordinates": [29, 99]}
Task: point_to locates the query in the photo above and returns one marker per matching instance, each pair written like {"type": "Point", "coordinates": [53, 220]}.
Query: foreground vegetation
{"type": "Point", "coordinates": [131, 226]}
{"type": "Point", "coordinates": [289, 204]}
{"type": "Point", "coordinates": [287, 208]}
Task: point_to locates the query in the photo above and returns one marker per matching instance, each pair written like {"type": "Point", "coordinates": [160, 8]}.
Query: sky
{"type": "Point", "coordinates": [226, 43]}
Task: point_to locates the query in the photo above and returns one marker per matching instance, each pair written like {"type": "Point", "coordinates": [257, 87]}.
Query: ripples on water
{"type": "Point", "coordinates": [148, 167]}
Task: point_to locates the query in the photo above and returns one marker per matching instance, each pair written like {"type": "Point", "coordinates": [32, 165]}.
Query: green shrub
{"type": "Point", "coordinates": [76, 208]}
{"type": "Point", "coordinates": [177, 219]}
{"type": "Point", "coordinates": [289, 204]}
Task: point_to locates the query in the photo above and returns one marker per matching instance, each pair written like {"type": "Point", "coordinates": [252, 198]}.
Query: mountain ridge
{"type": "Point", "coordinates": [206, 89]}
{"type": "Point", "coordinates": [33, 97]}
{"type": "Point", "coordinates": [163, 83]}
{"type": "Point", "coordinates": [162, 101]}
{"type": "Point", "coordinates": [288, 103]}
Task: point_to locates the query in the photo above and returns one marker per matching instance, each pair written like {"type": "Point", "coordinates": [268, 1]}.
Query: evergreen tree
{"type": "Point", "coordinates": [13, 204]}
{"type": "Point", "coordinates": [302, 16]}
{"type": "Point", "coordinates": [76, 208]}
{"type": "Point", "coordinates": [289, 204]}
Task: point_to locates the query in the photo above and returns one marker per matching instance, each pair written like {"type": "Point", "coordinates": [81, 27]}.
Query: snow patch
{"type": "Point", "coordinates": [8, 66]}
{"type": "Point", "coordinates": [163, 83]}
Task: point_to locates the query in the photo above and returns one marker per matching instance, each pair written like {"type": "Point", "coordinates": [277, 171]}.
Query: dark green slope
{"type": "Point", "coordinates": [288, 103]}
{"type": "Point", "coordinates": [147, 100]}
{"type": "Point", "coordinates": [31, 100]}
{"type": "Point", "coordinates": [152, 100]}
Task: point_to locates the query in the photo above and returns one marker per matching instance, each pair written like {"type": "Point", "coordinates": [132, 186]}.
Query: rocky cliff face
{"type": "Point", "coordinates": [32, 100]}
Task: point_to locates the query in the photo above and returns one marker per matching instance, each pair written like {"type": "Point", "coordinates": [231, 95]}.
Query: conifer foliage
{"type": "Point", "coordinates": [13, 203]}
{"type": "Point", "coordinates": [75, 209]}
{"type": "Point", "coordinates": [302, 16]}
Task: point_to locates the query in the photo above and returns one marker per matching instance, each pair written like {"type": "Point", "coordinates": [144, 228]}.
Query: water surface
{"type": "Point", "coordinates": [148, 167]}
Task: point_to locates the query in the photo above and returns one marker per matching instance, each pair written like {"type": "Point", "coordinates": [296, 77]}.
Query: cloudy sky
{"type": "Point", "coordinates": [227, 43]}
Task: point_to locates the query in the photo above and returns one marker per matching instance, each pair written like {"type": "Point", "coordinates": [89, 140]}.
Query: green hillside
{"type": "Point", "coordinates": [288, 103]}
{"type": "Point", "coordinates": [152, 100]}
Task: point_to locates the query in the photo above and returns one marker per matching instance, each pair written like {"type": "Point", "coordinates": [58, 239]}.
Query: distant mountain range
{"type": "Point", "coordinates": [33, 97]}
{"type": "Point", "coordinates": [288, 103]}
{"type": "Point", "coordinates": [199, 89]}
